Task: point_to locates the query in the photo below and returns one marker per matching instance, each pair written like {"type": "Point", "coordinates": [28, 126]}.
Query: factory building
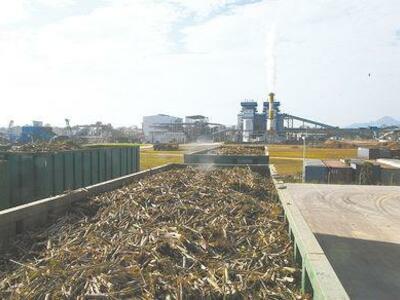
{"type": "Point", "coordinates": [197, 128]}
{"type": "Point", "coordinates": [196, 119]}
{"type": "Point", "coordinates": [163, 129]}
{"type": "Point", "coordinates": [254, 125]}
{"type": "Point", "coordinates": [251, 122]}
{"type": "Point", "coordinates": [168, 129]}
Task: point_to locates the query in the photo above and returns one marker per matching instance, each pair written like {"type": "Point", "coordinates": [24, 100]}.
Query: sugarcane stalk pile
{"type": "Point", "coordinates": [46, 147]}
{"type": "Point", "coordinates": [240, 150]}
{"type": "Point", "coordinates": [181, 234]}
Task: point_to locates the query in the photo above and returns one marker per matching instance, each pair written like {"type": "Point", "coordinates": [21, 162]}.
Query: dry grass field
{"type": "Point", "coordinates": [288, 158]}
{"type": "Point", "coordinates": [150, 158]}
{"type": "Point", "coordinates": [287, 167]}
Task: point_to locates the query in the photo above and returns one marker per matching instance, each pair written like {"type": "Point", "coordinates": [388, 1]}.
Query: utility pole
{"type": "Point", "coordinates": [304, 156]}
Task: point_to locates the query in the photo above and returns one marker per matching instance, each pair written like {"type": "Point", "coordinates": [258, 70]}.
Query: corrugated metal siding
{"type": "Point", "coordinates": [395, 153]}
{"type": "Point", "coordinates": [390, 176]}
{"type": "Point", "coordinates": [32, 176]}
{"type": "Point", "coordinates": [4, 186]}
{"type": "Point", "coordinates": [357, 167]}
{"type": "Point", "coordinates": [339, 172]}
{"type": "Point", "coordinates": [315, 171]}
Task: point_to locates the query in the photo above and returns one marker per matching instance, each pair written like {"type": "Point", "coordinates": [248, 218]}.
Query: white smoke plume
{"type": "Point", "coordinates": [272, 34]}
{"type": "Point", "coordinates": [271, 58]}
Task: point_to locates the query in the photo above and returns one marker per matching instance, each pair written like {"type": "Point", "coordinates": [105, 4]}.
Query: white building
{"type": "Point", "coordinates": [163, 129]}
{"type": "Point", "coordinates": [196, 119]}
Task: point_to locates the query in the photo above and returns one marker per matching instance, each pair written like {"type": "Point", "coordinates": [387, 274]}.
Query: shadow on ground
{"type": "Point", "coordinates": [366, 269]}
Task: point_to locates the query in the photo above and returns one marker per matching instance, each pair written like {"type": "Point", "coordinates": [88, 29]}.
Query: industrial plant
{"type": "Point", "coordinates": [271, 125]}
{"type": "Point", "coordinates": [268, 126]}
{"type": "Point", "coordinates": [205, 192]}
{"type": "Point", "coordinates": [241, 178]}
{"type": "Point", "coordinates": [38, 132]}
{"type": "Point", "coordinates": [163, 128]}
{"type": "Point", "coordinates": [222, 174]}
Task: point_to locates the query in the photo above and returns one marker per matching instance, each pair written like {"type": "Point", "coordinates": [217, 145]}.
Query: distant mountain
{"type": "Point", "coordinates": [382, 122]}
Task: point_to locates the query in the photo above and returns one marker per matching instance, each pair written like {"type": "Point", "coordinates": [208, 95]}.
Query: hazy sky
{"type": "Point", "coordinates": [116, 60]}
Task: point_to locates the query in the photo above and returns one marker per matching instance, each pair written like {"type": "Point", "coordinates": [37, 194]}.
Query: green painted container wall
{"type": "Point", "coordinates": [43, 176]}
{"type": "Point", "coordinates": [58, 173]}
{"type": "Point", "coordinates": [68, 158]}
{"type": "Point", "coordinates": [78, 170]}
{"type": "Point", "coordinates": [4, 186]}
{"type": "Point", "coordinates": [116, 163]}
{"type": "Point", "coordinates": [13, 175]}
{"type": "Point", "coordinates": [124, 162]}
{"type": "Point", "coordinates": [137, 161]}
{"type": "Point", "coordinates": [87, 168]}
{"type": "Point", "coordinates": [26, 177]}
{"type": "Point", "coordinates": [130, 155]}
{"type": "Point", "coordinates": [102, 165]}
{"type": "Point", "coordinates": [95, 166]}
{"type": "Point", "coordinates": [108, 164]}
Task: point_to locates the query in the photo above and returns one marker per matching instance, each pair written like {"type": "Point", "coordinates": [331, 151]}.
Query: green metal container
{"type": "Point", "coordinates": [58, 173]}
{"type": "Point", "coordinates": [68, 170]}
{"type": "Point", "coordinates": [78, 170]}
{"type": "Point", "coordinates": [43, 178]}
{"type": "Point", "coordinates": [27, 174]}
{"type": "Point", "coordinates": [4, 186]}
{"type": "Point", "coordinates": [95, 166]}
{"type": "Point", "coordinates": [87, 168]}
{"type": "Point", "coordinates": [26, 177]}
{"type": "Point", "coordinates": [205, 157]}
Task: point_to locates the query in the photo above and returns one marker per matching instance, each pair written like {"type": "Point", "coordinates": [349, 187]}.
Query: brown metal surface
{"type": "Point", "coordinates": [336, 164]}
{"type": "Point", "coordinates": [358, 228]}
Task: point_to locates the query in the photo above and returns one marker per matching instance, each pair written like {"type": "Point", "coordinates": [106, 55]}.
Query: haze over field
{"type": "Point", "coordinates": [337, 61]}
{"type": "Point", "coordinates": [382, 122]}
